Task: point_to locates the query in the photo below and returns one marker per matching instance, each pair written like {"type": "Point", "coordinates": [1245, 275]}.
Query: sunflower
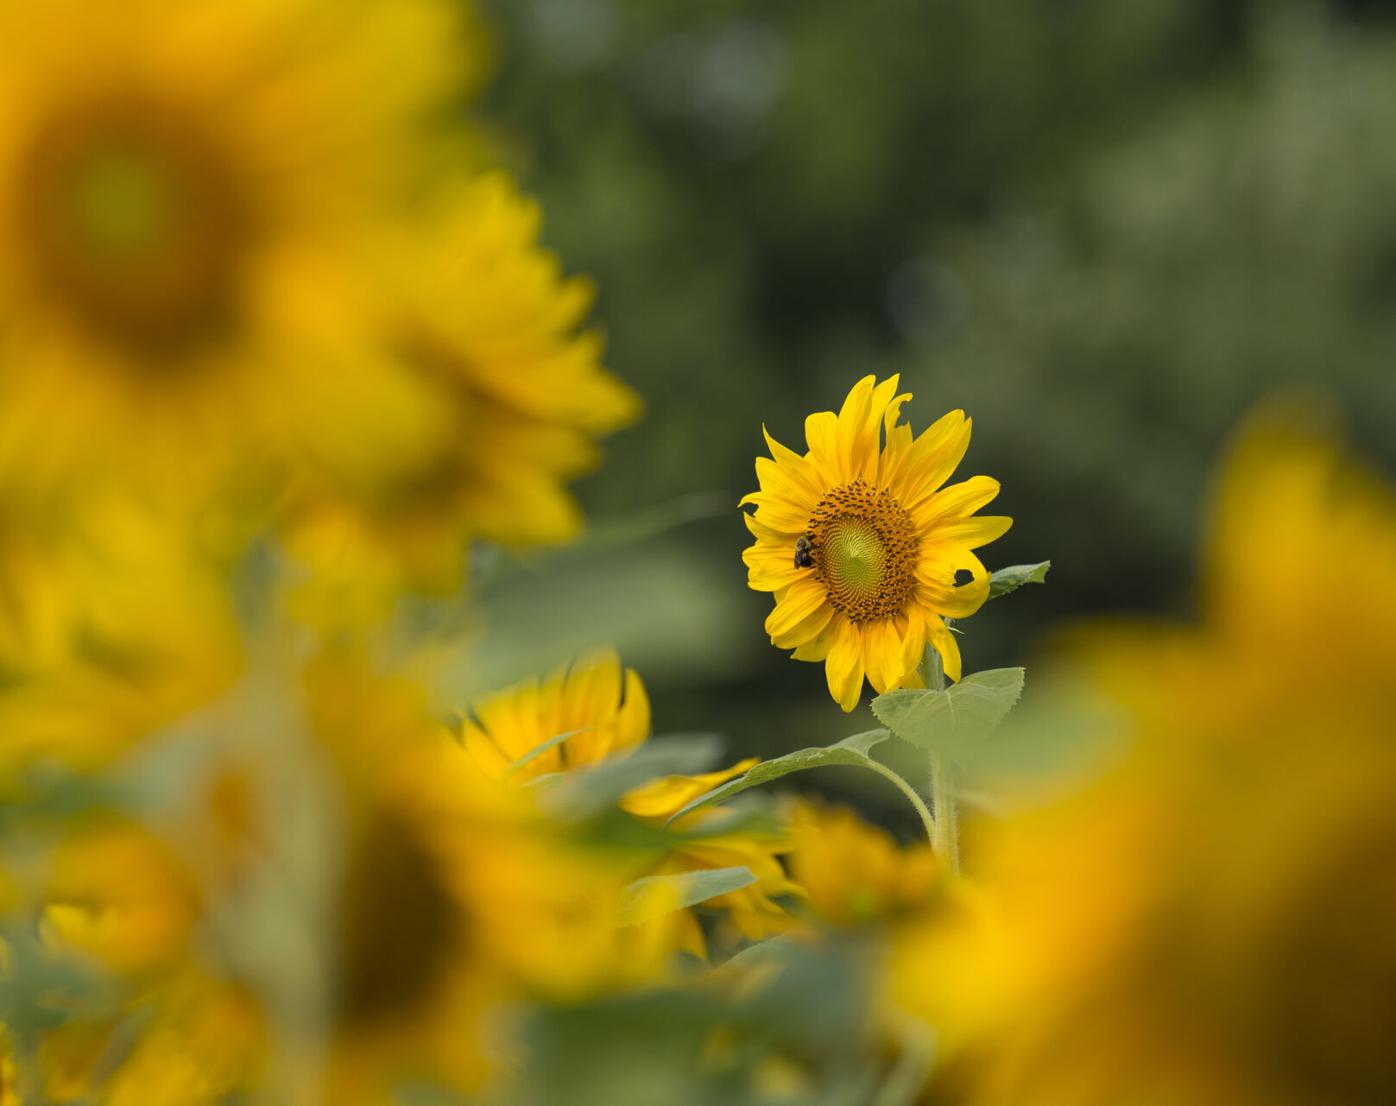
{"type": "Point", "coordinates": [582, 705]}
{"type": "Point", "coordinates": [1211, 919]}
{"type": "Point", "coordinates": [186, 191]}
{"type": "Point", "coordinates": [112, 625]}
{"type": "Point", "coordinates": [410, 900]}
{"type": "Point", "coordinates": [852, 872]}
{"type": "Point", "coordinates": [480, 317]}
{"type": "Point", "coordinates": [863, 547]}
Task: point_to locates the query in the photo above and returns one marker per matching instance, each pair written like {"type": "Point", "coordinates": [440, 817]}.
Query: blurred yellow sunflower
{"type": "Point", "coordinates": [112, 625]}
{"type": "Point", "coordinates": [480, 317]}
{"type": "Point", "coordinates": [337, 902]}
{"type": "Point", "coordinates": [185, 194]}
{"type": "Point", "coordinates": [1211, 920]}
{"type": "Point", "coordinates": [581, 704]}
{"type": "Point", "coordinates": [862, 545]}
{"type": "Point", "coordinates": [852, 872]}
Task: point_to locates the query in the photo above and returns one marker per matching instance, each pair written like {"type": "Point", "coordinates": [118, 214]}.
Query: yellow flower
{"type": "Point", "coordinates": [753, 910]}
{"type": "Point", "coordinates": [584, 701]}
{"type": "Point", "coordinates": [343, 891]}
{"type": "Point", "coordinates": [111, 626]}
{"type": "Point", "coordinates": [852, 872]}
{"type": "Point", "coordinates": [460, 898]}
{"type": "Point", "coordinates": [186, 192]}
{"type": "Point", "coordinates": [862, 546]}
{"type": "Point", "coordinates": [1211, 920]}
{"type": "Point", "coordinates": [481, 319]}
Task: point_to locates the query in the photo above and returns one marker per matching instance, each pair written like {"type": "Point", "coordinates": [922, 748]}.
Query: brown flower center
{"type": "Point", "coordinates": [400, 925]}
{"type": "Point", "coordinates": [865, 549]}
{"type": "Point", "coordinates": [133, 224]}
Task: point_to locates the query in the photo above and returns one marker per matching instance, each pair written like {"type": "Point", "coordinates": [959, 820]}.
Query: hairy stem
{"type": "Point", "coordinates": [945, 836]}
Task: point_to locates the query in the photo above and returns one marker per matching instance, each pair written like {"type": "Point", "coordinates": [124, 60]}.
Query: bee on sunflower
{"type": "Point", "coordinates": [862, 545]}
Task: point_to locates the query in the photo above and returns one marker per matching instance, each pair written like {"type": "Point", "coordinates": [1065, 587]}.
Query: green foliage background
{"type": "Point", "coordinates": [1106, 230]}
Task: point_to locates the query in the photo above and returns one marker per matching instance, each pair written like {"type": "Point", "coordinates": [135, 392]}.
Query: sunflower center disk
{"type": "Point", "coordinates": [865, 550]}
{"type": "Point", "coordinates": [134, 224]}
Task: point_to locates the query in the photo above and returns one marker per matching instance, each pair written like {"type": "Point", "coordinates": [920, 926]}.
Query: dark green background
{"type": "Point", "coordinates": [1105, 229]}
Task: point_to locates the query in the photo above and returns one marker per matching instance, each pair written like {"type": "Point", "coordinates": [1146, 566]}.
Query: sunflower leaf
{"type": "Point", "coordinates": [652, 896]}
{"type": "Point", "coordinates": [1013, 577]}
{"type": "Point", "coordinates": [853, 751]}
{"type": "Point", "coordinates": [954, 721]}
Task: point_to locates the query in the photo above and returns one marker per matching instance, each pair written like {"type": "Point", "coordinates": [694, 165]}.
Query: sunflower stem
{"type": "Point", "coordinates": [945, 834]}
{"type": "Point", "coordinates": [910, 792]}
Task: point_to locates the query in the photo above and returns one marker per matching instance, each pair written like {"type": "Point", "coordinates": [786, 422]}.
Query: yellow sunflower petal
{"type": "Point", "coordinates": [806, 630]}
{"type": "Point", "coordinates": [633, 721]}
{"type": "Point", "coordinates": [821, 429]}
{"type": "Point", "coordinates": [974, 531]}
{"type": "Point", "coordinates": [798, 603]}
{"type": "Point", "coordinates": [483, 751]}
{"type": "Point", "coordinates": [883, 655]}
{"type": "Point", "coordinates": [928, 462]}
{"type": "Point", "coordinates": [662, 797]}
{"type": "Point", "coordinates": [844, 666]}
{"type": "Point", "coordinates": [937, 591]}
{"type": "Point", "coordinates": [854, 449]}
{"type": "Point", "coordinates": [957, 501]}
{"type": "Point", "coordinates": [770, 567]}
{"type": "Point", "coordinates": [948, 648]}
{"type": "Point", "coordinates": [799, 470]}
{"type": "Point", "coordinates": [817, 649]}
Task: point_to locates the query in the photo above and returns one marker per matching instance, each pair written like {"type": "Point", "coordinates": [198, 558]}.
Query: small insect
{"type": "Point", "coordinates": [804, 552]}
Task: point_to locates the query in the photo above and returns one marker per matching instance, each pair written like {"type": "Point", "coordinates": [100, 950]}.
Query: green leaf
{"type": "Point", "coordinates": [1015, 576]}
{"type": "Point", "coordinates": [850, 751]}
{"type": "Point", "coordinates": [592, 790]}
{"type": "Point", "coordinates": [954, 721]}
{"type": "Point", "coordinates": [538, 750]}
{"type": "Point", "coordinates": [652, 896]}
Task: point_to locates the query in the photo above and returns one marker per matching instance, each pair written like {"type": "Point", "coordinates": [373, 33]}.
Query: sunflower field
{"type": "Point", "coordinates": [411, 696]}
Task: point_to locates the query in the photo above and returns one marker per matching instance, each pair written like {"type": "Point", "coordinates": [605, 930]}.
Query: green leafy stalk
{"type": "Point", "coordinates": [945, 835]}
{"type": "Point", "coordinates": [851, 752]}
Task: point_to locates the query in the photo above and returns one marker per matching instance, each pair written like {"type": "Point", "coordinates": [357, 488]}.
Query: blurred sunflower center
{"type": "Point", "coordinates": [865, 549]}
{"type": "Point", "coordinates": [134, 225]}
{"type": "Point", "coordinates": [400, 926]}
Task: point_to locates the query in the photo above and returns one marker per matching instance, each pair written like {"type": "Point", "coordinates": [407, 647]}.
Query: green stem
{"type": "Point", "coordinates": [945, 837]}
{"type": "Point", "coordinates": [910, 792]}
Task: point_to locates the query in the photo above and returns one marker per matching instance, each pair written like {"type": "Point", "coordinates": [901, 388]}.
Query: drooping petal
{"type": "Point", "coordinates": [818, 648]}
{"type": "Point", "coordinates": [633, 721]}
{"type": "Point", "coordinates": [936, 587]}
{"type": "Point", "coordinates": [793, 606]}
{"type": "Point", "coordinates": [844, 666]}
{"type": "Point", "coordinates": [913, 640]}
{"type": "Point", "coordinates": [948, 648]}
{"type": "Point", "coordinates": [883, 655]}
{"type": "Point", "coordinates": [806, 630]}
{"type": "Point", "coordinates": [484, 751]}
